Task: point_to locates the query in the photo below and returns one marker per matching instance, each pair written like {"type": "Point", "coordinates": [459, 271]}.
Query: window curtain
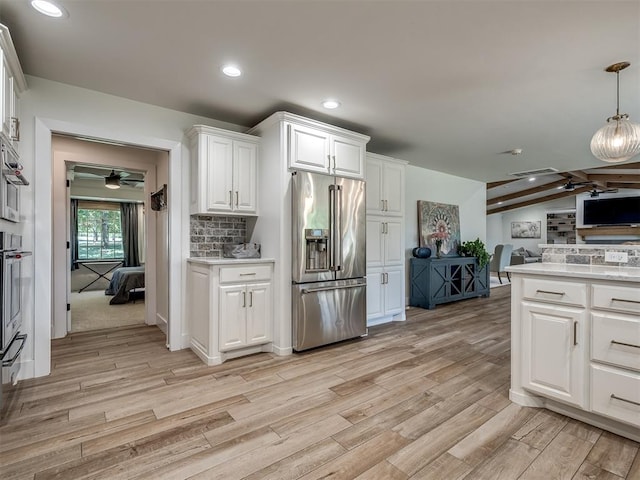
{"type": "Point", "coordinates": [129, 220]}
{"type": "Point", "coordinates": [73, 235]}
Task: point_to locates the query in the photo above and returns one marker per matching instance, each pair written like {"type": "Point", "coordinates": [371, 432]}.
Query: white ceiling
{"type": "Point", "coordinates": [448, 85]}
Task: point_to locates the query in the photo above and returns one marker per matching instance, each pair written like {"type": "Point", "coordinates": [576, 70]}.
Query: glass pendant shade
{"type": "Point", "coordinates": [617, 141]}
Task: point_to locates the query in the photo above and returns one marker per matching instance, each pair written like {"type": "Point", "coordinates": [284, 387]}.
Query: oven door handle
{"type": "Point", "coordinates": [11, 361]}
{"type": "Point", "coordinates": [17, 255]}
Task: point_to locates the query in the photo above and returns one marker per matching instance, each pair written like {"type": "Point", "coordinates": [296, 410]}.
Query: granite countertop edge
{"type": "Point", "coordinates": [228, 261]}
{"type": "Point", "coordinates": [570, 270]}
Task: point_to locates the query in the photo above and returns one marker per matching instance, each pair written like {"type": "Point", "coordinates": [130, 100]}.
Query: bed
{"type": "Point", "coordinates": [124, 280]}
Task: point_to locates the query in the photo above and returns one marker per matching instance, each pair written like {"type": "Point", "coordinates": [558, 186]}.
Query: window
{"type": "Point", "coordinates": [99, 231]}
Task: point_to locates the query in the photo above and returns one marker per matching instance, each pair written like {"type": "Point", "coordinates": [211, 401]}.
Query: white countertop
{"type": "Point", "coordinates": [598, 272]}
{"type": "Point", "coordinates": [583, 246]}
{"type": "Point", "coordinates": [228, 261]}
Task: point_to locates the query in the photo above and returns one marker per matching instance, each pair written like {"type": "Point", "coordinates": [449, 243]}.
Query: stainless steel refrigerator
{"type": "Point", "coordinates": [328, 259]}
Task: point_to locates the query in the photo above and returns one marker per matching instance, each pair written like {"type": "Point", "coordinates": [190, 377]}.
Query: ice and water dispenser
{"type": "Point", "coordinates": [316, 249]}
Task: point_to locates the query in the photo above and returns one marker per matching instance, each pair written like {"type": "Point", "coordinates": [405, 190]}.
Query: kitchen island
{"type": "Point", "coordinates": [575, 342]}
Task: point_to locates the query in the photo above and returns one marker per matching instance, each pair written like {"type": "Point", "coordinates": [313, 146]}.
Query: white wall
{"type": "Point", "coordinates": [499, 224]}
{"type": "Point", "coordinates": [54, 107]}
{"type": "Point", "coordinates": [469, 195]}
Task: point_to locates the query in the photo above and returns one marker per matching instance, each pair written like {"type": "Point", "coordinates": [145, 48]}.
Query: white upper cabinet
{"type": "Point", "coordinates": [385, 186]}
{"type": "Point", "coordinates": [321, 148]}
{"type": "Point", "coordinates": [13, 84]}
{"type": "Point", "coordinates": [224, 169]}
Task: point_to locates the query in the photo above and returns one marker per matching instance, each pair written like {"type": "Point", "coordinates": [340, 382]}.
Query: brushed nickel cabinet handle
{"type": "Point", "coordinates": [247, 274]}
{"type": "Point", "coordinates": [551, 293]}
{"type": "Point", "coordinates": [615, 342]}
{"type": "Point", "coordinates": [382, 205]}
{"type": "Point", "coordinates": [386, 205]}
{"type": "Point", "coordinates": [251, 299]}
{"type": "Point", "coordinates": [624, 300]}
{"type": "Point", "coordinates": [237, 198]}
{"type": "Point", "coordinates": [244, 299]}
{"type": "Point", "coordinates": [575, 333]}
{"type": "Point", "coordinates": [334, 164]}
{"type": "Point", "coordinates": [615, 397]}
{"type": "Point", "coordinates": [230, 198]}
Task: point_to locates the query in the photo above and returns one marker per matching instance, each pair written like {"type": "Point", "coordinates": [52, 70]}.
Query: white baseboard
{"type": "Point", "coordinates": [282, 352]}
{"type": "Point", "coordinates": [27, 370]}
{"type": "Point", "coordinates": [162, 323]}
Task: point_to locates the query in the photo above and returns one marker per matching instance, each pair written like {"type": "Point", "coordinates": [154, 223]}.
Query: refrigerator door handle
{"type": "Point", "coordinates": [338, 229]}
{"type": "Point", "coordinates": [332, 212]}
{"type": "Point", "coordinates": [335, 234]}
{"type": "Point", "coordinates": [324, 289]}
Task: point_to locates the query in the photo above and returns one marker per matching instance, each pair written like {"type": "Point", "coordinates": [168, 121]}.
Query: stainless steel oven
{"type": "Point", "coordinates": [11, 180]}
{"type": "Point", "coordinates": [12, 339]}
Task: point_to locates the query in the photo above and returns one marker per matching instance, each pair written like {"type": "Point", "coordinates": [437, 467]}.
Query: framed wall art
{"type": "Point", "coordinates": [439, 221]}
{"type": "Point", "coordinates": [526, 229]}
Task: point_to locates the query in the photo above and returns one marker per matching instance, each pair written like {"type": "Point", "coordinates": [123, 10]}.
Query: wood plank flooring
{"type": "Point", "coordinates": [424, 399]}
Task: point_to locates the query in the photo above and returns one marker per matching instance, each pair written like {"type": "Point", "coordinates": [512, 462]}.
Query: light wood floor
{"type": "Point", "coordinates": [426, 399]}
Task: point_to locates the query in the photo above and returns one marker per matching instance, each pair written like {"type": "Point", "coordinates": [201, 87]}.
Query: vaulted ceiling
{"type": "Point", "coordinates": [517, 193]}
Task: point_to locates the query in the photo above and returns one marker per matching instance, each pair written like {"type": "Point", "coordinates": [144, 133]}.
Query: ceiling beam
{"type": "Point", "coordinates": [499, 183]}
{"type": "Point", "coordinates": [528, 191]}
{"type": "Point", "coordinates": [623, 185]}
{"type": "Point", "coordinates": [579, 174]}
{"type": "Point", "coordinates": [621, 166]}
{"type": "Point", "coordinates": [608, 178]}
{"type": "Point", "coordinates": [566, 193]}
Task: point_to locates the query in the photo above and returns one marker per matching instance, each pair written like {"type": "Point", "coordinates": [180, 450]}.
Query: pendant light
{"type": "Point", "coordinates": [619, 139]}
{"type": "Point", "coordinates": [112, 181]}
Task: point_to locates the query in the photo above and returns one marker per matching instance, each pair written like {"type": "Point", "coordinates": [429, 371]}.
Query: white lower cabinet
{"type": "Point", "coordinates": [576, 348]}
{"type": "Point", "coordinates": [553, 352]}
{"type": "Point", "coordinates": [242, 315]}
{"type": "Point", "coordinates": [230, 308]}
{"type": "Point", "coordinates": [385, 296]}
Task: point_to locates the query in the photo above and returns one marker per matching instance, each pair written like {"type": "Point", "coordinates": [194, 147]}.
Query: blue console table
{"type": "Point", "coordinates": [448, 279]}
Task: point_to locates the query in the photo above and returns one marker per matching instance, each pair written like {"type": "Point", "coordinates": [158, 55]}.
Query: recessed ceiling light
{"type": "Point", "coordinates": [331, 104]}
{"type": "Point", "coordinates": [231, 71]}
{"type": "Point", "coordinates": [47, 8]}
{"type": "Point", "coordinates": [531, 179]}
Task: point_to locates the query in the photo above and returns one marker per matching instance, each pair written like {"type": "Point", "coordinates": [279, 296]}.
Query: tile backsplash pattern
{"type": "Point", "coordinates": [589, 254]}
{"type": "Point", "coordinates": [210, 233]}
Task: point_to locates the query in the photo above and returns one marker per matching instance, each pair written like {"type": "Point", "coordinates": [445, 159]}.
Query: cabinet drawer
{"type": "Point", "coordinates": [616, 394]}
{"type": "Point", "coordinates": [616, 340]}
{"type": "Point", "coordinates": [553, 291]}
{"type": "Point", "coordinates": [245, 273]}
{"type": "Point", "coordinates": [615, 297]}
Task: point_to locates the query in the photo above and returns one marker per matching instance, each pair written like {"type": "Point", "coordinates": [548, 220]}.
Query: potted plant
{"type": "Point", "coordinates": [476, 249]}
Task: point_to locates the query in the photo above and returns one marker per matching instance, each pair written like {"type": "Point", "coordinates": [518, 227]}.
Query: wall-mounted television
{"type": "Point", "coordinates": [611, 211]}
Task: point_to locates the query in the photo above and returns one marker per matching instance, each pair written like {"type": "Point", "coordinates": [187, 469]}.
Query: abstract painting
{"type": "Point", "coordinates": [526, 229]}
{"type": "Point", "coordinates": [439, 221]}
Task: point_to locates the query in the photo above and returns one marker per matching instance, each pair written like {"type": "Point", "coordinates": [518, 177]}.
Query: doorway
{"type": "Point", "coordinates": [83, 265]}
{"type": "Point", "coordinates": [45, 203]}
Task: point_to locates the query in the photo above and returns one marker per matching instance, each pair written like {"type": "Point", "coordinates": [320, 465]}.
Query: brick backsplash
{"type": "Point", "coordinates": [209, 233]}
{"type": "Point", "coordinates": [589, 254]}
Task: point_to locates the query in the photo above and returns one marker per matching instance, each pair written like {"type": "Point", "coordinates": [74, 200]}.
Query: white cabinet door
{"type": "Point", "coordinates": [554, 347]}
{"type": "Point", "coordinates": [393, 248]}
{"type": "Point", "coordinates": [348, 157]}
{"type": "Point", "coordinates": [309, 149]}
{"type": "Point", "coordinates": [375, 242]}
{"type": "Point", "coordinates": [375, 293]}
{"type": "Point", "coordinates": [393, 295]}
{"type": "Point", "coordinates": [219, 177]}
{"type": "Point", "coordinates": [393, 189]}
{"type": "Point", "coordinates": [245, 174]}
{"type": "Point", "coordinates": [259, 316]}
{"type": "Point", "coordinates": [375, 204]}
{"type": "Point", "coordinates": [232, 317]}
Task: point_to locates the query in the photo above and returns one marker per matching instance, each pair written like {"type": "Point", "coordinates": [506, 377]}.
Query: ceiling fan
{"type": "Point", "coordinates": [113, 178]}
{"type": "Point", "coordinates": [571, 185]}
{"type": "Point", "coordinates": [596, 193]}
